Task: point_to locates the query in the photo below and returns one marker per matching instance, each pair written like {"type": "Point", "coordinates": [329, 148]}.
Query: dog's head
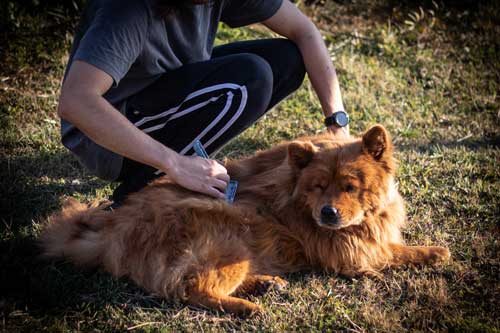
{"type": "Point", "coordinates": [338, 182]}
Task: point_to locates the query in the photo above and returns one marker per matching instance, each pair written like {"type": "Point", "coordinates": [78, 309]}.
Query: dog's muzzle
{"type": "Point", "coordinates": [330, 215]}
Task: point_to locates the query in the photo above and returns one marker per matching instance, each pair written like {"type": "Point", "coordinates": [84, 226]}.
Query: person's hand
{"type": "Point", "coordinates": [339, 132]}
{"type": "Point", "coordinates": [199, 175]}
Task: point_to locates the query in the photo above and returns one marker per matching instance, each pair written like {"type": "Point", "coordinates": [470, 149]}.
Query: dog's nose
{"type": "Point", "coordinates": [330, 215]}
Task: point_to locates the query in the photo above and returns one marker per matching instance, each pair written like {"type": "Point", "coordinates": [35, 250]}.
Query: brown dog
{"type": "Point", "coordinates": [311, 203]}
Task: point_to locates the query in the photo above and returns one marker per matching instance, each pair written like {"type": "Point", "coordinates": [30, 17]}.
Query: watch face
{"type": "Point", "coordinates": [341, 119]}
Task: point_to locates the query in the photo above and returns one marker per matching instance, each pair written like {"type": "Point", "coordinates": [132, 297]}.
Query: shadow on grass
{"type": "Point", "coordinates": [49, 291]}
{"type": "Point", "coordinates": [32, 186]}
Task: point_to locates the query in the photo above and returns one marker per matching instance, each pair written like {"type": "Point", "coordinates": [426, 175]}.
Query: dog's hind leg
{"type": "Point", "coordinates": [418, 255]}
{"type": "Point", "coordinates": [212, 286]}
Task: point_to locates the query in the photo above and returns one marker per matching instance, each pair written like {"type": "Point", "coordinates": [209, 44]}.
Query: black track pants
{"type": "Point", "coordinates": [211, 101]}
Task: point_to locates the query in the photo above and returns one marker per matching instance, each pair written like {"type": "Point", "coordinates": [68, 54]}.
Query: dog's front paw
{"type": "Point", "coordinates": [271, 283]}
{"type": "Point", "coordinates": [438, 254]}
{"type": "Point", "coordinates": [277, 284]}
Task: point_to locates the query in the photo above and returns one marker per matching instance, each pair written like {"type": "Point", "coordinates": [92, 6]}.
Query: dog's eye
{"type": "Point", "coordinates": [350, 188]}
{"type": "Point", "coordinates": [319, 187]}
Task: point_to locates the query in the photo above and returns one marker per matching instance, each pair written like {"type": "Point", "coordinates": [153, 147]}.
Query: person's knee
{"type": "Point", "coordinates": [256, 75]}
{"type": "Point", "coordinates": [256, 71]}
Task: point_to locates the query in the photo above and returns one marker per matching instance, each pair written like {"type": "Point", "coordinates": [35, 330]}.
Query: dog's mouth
{"type": "Point", "coordinates": [339, 223]}
{"type": "Point", "coordinates": [331, 226]}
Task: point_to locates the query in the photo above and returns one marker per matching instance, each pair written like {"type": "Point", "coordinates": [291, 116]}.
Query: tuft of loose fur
{"type": "Point", "coordinates": [203, 251]}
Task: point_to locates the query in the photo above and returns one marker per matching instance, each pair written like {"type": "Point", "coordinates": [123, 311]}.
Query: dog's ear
{"type": "Point", "coordinates": [300, 153]}
{"type": "Point", "coordinates": [377, 142]}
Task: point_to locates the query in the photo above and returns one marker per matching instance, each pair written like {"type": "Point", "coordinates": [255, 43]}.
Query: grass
{"type": "Point", "coordinates": [430, 74]}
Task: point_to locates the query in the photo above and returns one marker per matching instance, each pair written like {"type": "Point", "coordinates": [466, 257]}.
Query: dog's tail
{"type": "Point", "coordinates": [75, 233]}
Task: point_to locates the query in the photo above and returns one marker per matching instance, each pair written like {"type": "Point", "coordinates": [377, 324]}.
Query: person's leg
{"type": "Point", "coordinates": [212, 101]}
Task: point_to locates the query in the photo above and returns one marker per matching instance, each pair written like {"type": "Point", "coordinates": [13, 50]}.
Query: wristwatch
{"type": "Point", "coordinates": [339, 119]}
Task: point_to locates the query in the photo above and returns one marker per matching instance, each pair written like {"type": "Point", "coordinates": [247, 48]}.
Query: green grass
{"type": "Point", "coordinates": [430, 75]}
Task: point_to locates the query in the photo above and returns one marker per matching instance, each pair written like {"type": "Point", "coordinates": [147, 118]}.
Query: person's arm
{"type": "Point", "coordinates": [81, 103]}
{"type": "Point", "coordinates": [291, 23]}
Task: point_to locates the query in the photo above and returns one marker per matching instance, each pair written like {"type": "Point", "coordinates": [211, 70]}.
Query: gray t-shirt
{"type": "Point", "coordinates": [135, 46]}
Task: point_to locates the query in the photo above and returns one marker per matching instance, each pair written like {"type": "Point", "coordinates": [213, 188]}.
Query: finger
{"type": "Point", "coordinates": [213, 192]}
{"type": "Point", "coordinates": [223, 176]}
{"type": "Point", "coordinates": [221, 185]}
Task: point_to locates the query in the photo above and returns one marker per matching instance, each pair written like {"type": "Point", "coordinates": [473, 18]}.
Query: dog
{"type": "Point", "coordinates": [313, 203]}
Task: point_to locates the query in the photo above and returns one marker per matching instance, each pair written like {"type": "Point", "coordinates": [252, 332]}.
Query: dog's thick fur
{"type": "Point", "coordinates": [203, 251]}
